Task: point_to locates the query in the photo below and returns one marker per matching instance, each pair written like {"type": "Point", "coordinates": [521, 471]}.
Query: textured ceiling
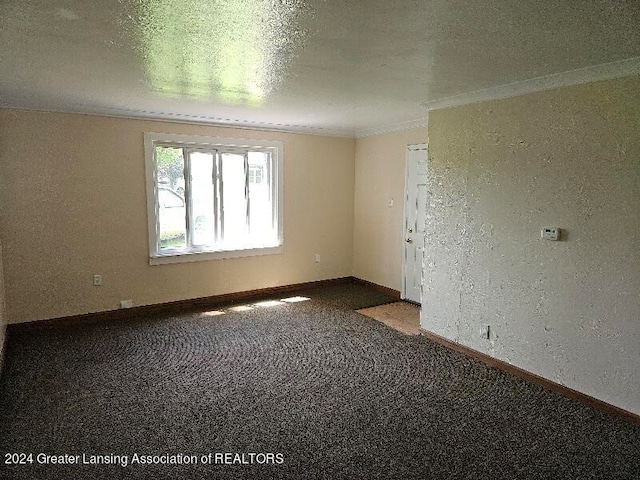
{"type": "Point", "coordinates": [316, 65]}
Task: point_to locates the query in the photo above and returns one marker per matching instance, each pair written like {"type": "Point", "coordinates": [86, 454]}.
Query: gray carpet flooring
{"type": "Point", "coordinates": [335, 394]}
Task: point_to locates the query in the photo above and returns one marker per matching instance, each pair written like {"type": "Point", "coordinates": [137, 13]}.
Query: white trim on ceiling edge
{"type": "Point", "coordinates": [190, 120]}
{"type": "Point", "coordinates": [228, 123]}
{"type": "Point", "coordinates": [396, 127]}
{"type": "Point", "coordinates": [605, 71]}
{"type": "Point", "coordinates": [594, 73]}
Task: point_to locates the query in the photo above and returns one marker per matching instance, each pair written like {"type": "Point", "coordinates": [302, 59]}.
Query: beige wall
{"type": "Point", "coordinates": [378, 228]}
{"type": "Point", "coordinates": [74, 205]}
{"type": "Point", "coordinates": [500, 171]}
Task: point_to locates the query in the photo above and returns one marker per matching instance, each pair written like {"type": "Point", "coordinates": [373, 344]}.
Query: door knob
{"type": "Point", "coordinates": [409, 240]}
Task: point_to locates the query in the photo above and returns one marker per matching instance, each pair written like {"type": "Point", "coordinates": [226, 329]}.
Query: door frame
{"type": "Point", "coordinates": [408, 149]}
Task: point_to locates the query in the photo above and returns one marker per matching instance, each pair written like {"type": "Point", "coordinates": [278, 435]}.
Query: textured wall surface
{"type": "Point", "coordinates": [74, 205]}
{"type": "Point", "coordinates": [499, 172]}
{"type": "Point", "coordinates": [378, 228]}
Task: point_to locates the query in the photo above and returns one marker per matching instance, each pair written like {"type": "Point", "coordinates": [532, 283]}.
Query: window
{"type": "Point", "coordinates": [212, 197]}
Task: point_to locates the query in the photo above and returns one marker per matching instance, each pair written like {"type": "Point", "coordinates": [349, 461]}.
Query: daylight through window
{"type": "Point", "coordinates": [212, 197]}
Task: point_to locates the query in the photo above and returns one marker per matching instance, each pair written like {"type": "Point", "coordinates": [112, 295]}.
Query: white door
{"type": "Point", "coordinates": [415, 209]}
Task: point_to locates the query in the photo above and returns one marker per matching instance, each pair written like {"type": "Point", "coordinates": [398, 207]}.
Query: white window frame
{"type": "Point", "coordinates": [152, 139]}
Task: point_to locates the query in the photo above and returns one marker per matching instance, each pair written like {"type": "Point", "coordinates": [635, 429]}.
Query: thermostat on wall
{"type": "Point", "coordinates": [551, 233]}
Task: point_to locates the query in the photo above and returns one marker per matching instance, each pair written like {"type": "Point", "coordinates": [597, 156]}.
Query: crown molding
{"type": "Point", "coordinates": [395, 127]}
{"type": "Point", "coordinates": [131, 114]}
{"type": "Point", "coordinates": [606, 71]}
{"type": "Point", "coordinates": [232, 123]}
{"type": "Point", "coordinates": [594, 73]}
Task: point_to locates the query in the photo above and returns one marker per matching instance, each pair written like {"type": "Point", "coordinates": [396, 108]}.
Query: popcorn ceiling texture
{"type": "Point", "coordinates": [499, 172]}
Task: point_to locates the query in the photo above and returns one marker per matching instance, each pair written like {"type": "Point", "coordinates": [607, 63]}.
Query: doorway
{"type": "Point", "coordinates": [415, 210]}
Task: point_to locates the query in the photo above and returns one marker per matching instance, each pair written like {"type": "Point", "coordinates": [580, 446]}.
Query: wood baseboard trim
{"type": "Point", "coordinates": [386, 290]}
{"type": "Point", "coordinates": [176, 306]}
{"type": "Point", "coordinates": [3, 350]}
{"type": "Point", "coordinates": [532, 377]}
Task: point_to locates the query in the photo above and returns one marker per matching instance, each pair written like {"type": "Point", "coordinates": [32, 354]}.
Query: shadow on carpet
{"type": "Point", "coordinates": [304, 390]}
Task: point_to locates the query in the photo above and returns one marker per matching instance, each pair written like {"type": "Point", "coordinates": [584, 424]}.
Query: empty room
{"type": "Point", "coordinates": [304, 239]}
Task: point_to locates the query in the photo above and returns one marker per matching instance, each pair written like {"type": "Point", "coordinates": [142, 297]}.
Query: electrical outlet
{"type": "Point", "coordinates": [126, 303]}
{"type": "Point", "coordinates": [485, 332]}
{"type": "Point", "coordinates": [550, 233]}
{"type": "Point", "coordinates": [97, 280]}
{"type": "Point", "coordinates": [317, 258]}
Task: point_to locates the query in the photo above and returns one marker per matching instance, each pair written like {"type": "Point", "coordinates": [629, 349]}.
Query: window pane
{"type": "Point", "coordinates": [234, 204]}
{"type": "Point", "coordinates": [171, 206]}
{"type": "Point", "coordinates": [202, 198]}
{"type": "Point", "coordinates": [261, 225]}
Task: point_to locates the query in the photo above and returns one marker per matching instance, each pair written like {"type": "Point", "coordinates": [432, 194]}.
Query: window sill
{"type": "Point", "coordinates": [218, 255]}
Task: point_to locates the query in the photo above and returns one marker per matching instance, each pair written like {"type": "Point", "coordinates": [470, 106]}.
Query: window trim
{"type": "Point", "coordinates": [151, 139]}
